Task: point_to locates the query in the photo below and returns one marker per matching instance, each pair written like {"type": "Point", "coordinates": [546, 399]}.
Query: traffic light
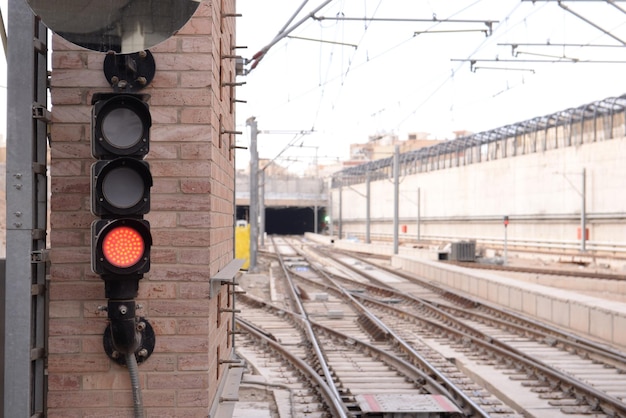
{"type": "Point", "coordinates": [120, 191]}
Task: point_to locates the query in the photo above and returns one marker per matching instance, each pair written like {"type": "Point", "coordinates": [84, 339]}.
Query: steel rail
{"type": "Point", "coordinates": [607, 403]}
{"type": "Point", "coordinates": [562, 336]}
{"type": "Point", "coordinates": [304, 320]}
{"type": "Point", "coordinates": [458, 394]}
{"type": "Point", "coordinates": [596, 399]}
{"type": "Point", "coordinates": [534, 270]}
{"type": "Point", "coordinates": [409, 369]}
{"type": "Point", "coordinates": [600, 247]}
{"type": "Point", "coordinates": [337, 410]}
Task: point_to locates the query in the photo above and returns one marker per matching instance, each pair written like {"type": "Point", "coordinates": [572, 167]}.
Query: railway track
{"type": "Point", "coordinates": [360, 369]}
{"type": "Point", "coordinates": [473, 353]}
{"type": "Point", "coordinates": [539, 270]}
{"type": "Point", "coordinates": [576, 375]}
{"type": "Point", "coordinates": [365, 369]}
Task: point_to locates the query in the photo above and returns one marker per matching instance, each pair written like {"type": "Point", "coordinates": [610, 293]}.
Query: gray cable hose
{"type": "Point", "coordinates": [131, 363]}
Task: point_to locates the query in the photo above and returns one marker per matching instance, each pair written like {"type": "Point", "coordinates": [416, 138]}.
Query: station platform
{"type": "Point", "coordinates": [592, 307]}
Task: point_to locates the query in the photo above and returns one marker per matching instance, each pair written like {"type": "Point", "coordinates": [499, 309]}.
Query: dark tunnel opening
{"type": "Point", "coordinates": [288, 220]}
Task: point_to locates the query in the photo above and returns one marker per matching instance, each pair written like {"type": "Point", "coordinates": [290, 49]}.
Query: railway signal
{"type": "Point", "coordinates": [120, 191]}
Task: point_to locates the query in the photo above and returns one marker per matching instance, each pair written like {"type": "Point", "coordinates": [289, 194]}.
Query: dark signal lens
{"type": "Point", "coordinates": [122, 128]}
{"type": "Point", "coordinates": [123, 187]}
{"type": "Point", "coordinates": [120, 187]}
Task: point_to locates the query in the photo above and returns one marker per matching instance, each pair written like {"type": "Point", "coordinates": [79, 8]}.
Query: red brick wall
{"type": "Point", "coordinates": [191, 221]}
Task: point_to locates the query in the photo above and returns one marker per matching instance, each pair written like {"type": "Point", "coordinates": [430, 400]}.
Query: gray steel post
{"type": "Point", "coordinates": [583, 213]}
{"type": "Point", "coordinates": [419, 215]}
{"type": "Point", "coordinates": [396, 197]}
{"type": "Point", "coordinates": [262, 208]}
{"type": "Point", "coordinates": [331, 227]}
{"type": "Point", "coordinates": [368, 217]}
{"type": "Point", "coordinates": [506, 244]}
{"type": "Point", "coordinates": [23, 311]}
{"type": "Point", "coordinates": [319, 196]}
{"type": "Point", "coordinates": [254, 193]}
{"type": "Point", "coordinates": [340, 214]}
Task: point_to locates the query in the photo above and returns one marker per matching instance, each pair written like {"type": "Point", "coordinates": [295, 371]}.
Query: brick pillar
{"type": "Point", "coordinates": [192, 226]}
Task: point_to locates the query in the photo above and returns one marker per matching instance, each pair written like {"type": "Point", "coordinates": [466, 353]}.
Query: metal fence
{"type": "Point", "coordinates": [597, 121]}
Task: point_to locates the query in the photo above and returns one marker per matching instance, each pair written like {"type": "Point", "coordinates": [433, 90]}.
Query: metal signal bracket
{"type": "Point", "coordinates": [129, 72]}
{"type": "Point", "coordinates": [226, 276]}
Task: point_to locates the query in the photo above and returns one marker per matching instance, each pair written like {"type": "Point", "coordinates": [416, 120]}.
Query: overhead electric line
{"type": "Point", "coordinates": [584, 19]}
{"type": "Point", "coordinates": [283, 33]}
{"type": "Point", "coordinates": [434, 19]}
{"type": "Point", "coordinates": [473, 61]}
{"type": "Point", "coordinates": [323, 41]}
{"type": "Point", "coordinates": [3, 35]}
{"type": "Point", "coordinates": [485, 31]}
{"type": "Point", "coordinates": [559, 45]}
{"type": "Point", "coordinates": [529, 70]}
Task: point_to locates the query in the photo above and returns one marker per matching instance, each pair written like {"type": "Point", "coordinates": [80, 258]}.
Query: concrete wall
{"type": "Point", "coordinates": [191, 221]}
{"type": "Point", "coordinates": [284, 190]}
{"type": "Point", "coordinates": [541, 192]}
{"type": "Point", "coordinates": [597, 318]}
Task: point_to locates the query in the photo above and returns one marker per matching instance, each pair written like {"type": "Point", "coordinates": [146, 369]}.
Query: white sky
{"type": "Point", "coordinates": [3, 80]}
{"type": "Point", "coordinates": [396, 82]}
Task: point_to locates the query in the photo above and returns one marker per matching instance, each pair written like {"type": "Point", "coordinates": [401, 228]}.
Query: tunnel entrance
{"type": "Point", "coordinates": [289, 220]}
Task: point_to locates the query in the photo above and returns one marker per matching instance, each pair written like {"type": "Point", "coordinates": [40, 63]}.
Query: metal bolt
{"type": "Point", "coordinates": [141, 326]}
{"type": "Point", "coordinates": [115, 79]}
{"type": "Point", "coordinates": [115, 354]}
{"type": "Point", "coordinates": [18, 214]}
{"type": "Point", "coordinates": [142, 353]}
{"type": "Point", "coordinates": [123, 309]}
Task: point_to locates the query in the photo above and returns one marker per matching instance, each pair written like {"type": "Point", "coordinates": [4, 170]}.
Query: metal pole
{"type": "Point", "coordinates": [331, 226]}
{"type": "Point", "coordinates": [340, 226]}
{"type": "Point", "coordinates": [583, 213]}
{"type": "Point", "coordinates": [254, 190]}
{"type": "Point", "coordinates": [505, 242]}
{"type": "Point", "coordinates": [505, 245]}
{"type": "Point", "coordinates": [419, 236]}
{"type": "Point", "coordinates": [24, 310]}
{"type": "Point", "coordinates": [262, 208]}
{"type": "Point", "coordinates": [368, 217]}
{"type": "Point", "coordinates": [320, 189]}
{"type": "Point", "coordinates": [396, 196]}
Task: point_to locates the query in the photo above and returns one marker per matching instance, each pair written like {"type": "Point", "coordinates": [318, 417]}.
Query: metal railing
{"type": "Point", "coordinates": [600, 120]}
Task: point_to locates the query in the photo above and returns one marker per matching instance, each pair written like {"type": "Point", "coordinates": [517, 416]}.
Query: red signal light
{"type": "Point", "coordinates": [123, 247]}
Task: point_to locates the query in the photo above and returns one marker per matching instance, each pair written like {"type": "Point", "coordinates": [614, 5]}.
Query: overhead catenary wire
{"type": "Point", "coordinates": [286, 30]}
{"type": "Point", "coordinates": [451, 76]}
{"type": "Point", "coordinates": [335, 84]}
{"type": "Point", "coordinates": [3, 35]}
